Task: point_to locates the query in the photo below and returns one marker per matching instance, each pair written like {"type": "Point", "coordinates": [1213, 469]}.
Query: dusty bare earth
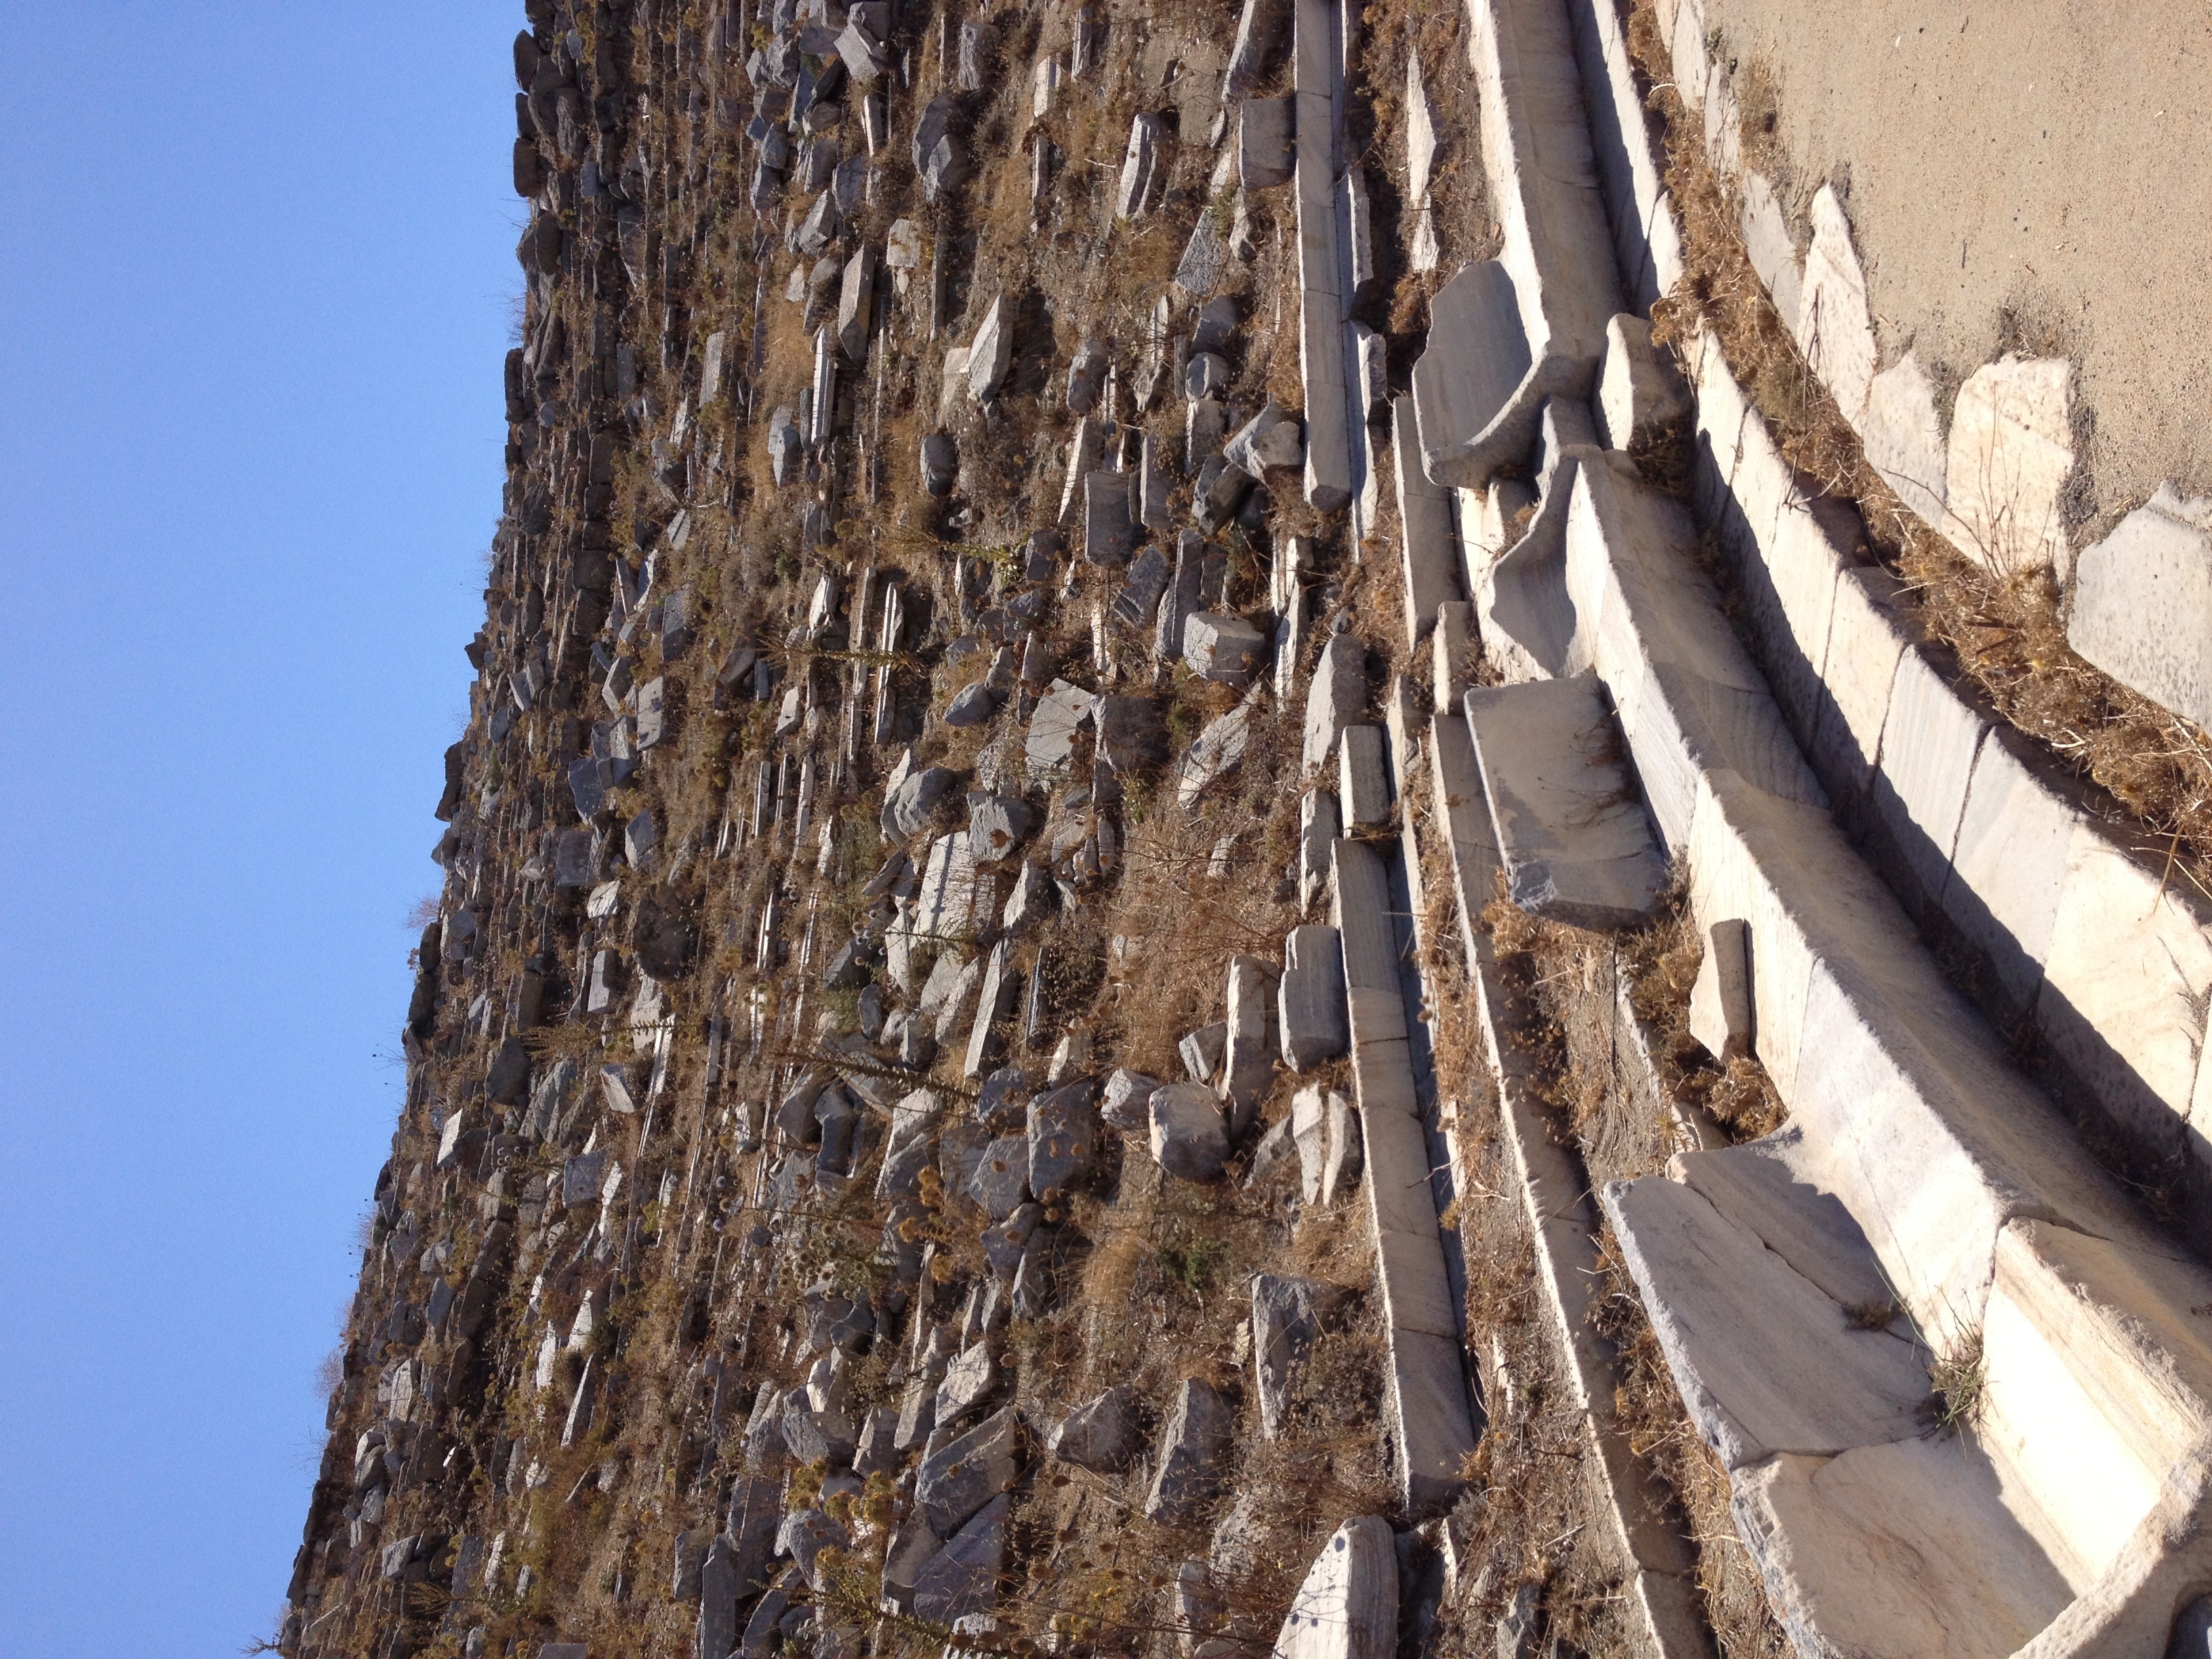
{"type": "Point", "coordinates": [2027, 176]}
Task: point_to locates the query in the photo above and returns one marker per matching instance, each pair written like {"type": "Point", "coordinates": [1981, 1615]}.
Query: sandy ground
{"type": "Point", "coordinates": [2031, 175]}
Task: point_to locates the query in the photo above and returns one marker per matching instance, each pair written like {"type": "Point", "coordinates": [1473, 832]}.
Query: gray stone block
{"type": "Point", "coordinates": [1362, 779]}
{"type": "Point", "coordinates": [1765, 1359]}
{"type": "Point", "coordinates": [991, 353]}
{"type": "Point", "coordinates": [1288, 1314]}
{"type": "Point", "coordinates": [1063, 1137]}
{"type": "Point", "coordinates": [1347, 1606]}
{"type": "Point", "coordinates": [1474, 406]}
{"type": "Point", "coordinates": [1202, 1051]}
{"type": "Point", "coordinates": [1576, 845]}
{"type": "Point", "coordinates": [1427, 540]}
{"type": "Point", "coordinates": [1109, 532]}
{"type": "Point", "coordinates": [1720, 1000]}
{"type": "Point", "coordinates": [1310, 1002]}
{"type": "Point", "coordinates": [1098, 1434]}
{"type": "Point", "coordinates": [1263, 142]}
{"type": "Point", "coordinates": [1126, 1100]}
{"type": "Point", "coordinates": [2142, 603]}
{"type": "Point", "coordinates": [1320, 823]}
{"type": "Point", "coordinates": [1641, 399]}
{"type": "Point", "coordinates": [961, 1475]}
{"type": "Point", "coordinates": [1189, 1136]}
{"type": "Point", "coordinates": [1225, 649]}
{"type": "Point", "coordinates": [1248, 1054]}
{"type": "Point", "coordinates": [1343, 1150]}
{"type": "Point", "coordinates": [962, 1580]}
{"type": "Point", "coordinates": [1194, 1458]}
{"type": "Point", "coordinates": [1336, 696]}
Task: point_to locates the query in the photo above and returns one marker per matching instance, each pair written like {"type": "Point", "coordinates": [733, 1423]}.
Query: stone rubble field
{"type": "Point", "coordinates": [1193, 906]}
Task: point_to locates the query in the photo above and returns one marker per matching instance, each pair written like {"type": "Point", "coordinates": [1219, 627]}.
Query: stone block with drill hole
{"type": "Point", "coordinates": [1577, 844]}
{"type": "Point", "coordinates": [1720, 1000]}
{"type": "Point", "coordinates": [1310, 1010]}
{"type": "Point", "coordinates": [1363, 779]}
{"type": "Point", "coordinates": [1347, 1607]}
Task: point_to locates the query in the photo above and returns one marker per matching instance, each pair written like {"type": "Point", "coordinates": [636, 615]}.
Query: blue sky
{"type": "Point", "coordinates": [256, 287]}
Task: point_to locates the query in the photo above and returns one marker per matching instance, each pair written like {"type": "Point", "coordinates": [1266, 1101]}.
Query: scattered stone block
{"type": "Point", "coordinates": [940, 463]}
{"type": "Point", "coordinates": [1140, 166]}
{"type": "Point", "coordinates": [1109, 532]}
{"type": "Point", "coordinates": [2142, 603]}
{"type": "Point", "coordinates": [1347, 1607]}
{"type": "Point", "coordinates": [1202, 1051]}
{"type": "Point", "coordinates": [1641, 398]}
{"type": "Point", "coordinates": [1223, 649]}
{"type": "Point", "coordinates": [1834, 330]}
{"type": "Point", "coordinates": [1098, 1434]}
{"type": "Point", "coordinates": [1288, 1314]}
{"type": "Point", "coordinates": [1903, 435]}
{"type": "Point", "coordinates": [1263, 142]}
{"type": "Point", "coordinates": [1086, 378]}
{"type": "Point", "coordinates": [1310, 1005]}
{"type": "Point", "coordinates": [962, 1580]}
{"type": "Point", "coordinates": [1336, 697]}
{"type": "Point", "coordinates": [1473, 408]}
{"type": "Point", "coordinates": [1251, 1039]}
{"type": "Point", "coordinates": [1363, 780]}
{"type": "Point", "coordinates": [1063, 1135]}
{"type": "Point", "coordinates": [1125, 1101]}
{"type": "Point", "coordinates": [1194, 1454]}
{"type": "Point", "coordinates": [923, 800]}
{"type": "Point", "coordinates": [1320, 823]}
{"type": "Point", "coordinates": [1343, 1154]}
{"type": "Point", "coordinates": [1270, 440]}
{"type": "Point", "coordinates": [1427, 539]}
{"type": "Point", "coordinates": [1205, 375]}
{"type": "Point", "coordinates": [2011, 453]}
{"type": "Point", "coordinates": [1219, 750]}
{"type": "Point", "coordinates": [1578, 845]}
{"type": "Point", "coordinates": [991, 353]}
{"type": "Point", "coordinates": [1190, 1136]}
{"type": "Point", "coordinates": [964, 1474]}
{"type": "Point", "coordinates": [1719, 999]}
{"type": "Point", "coordinates": [941, 155]}
{"type": "Point", "coordinates": [968, 1380]}
{"type": "Point", "coordinates": [1059, 713]}
{"type": "Point", "coordinates": [972, 705]}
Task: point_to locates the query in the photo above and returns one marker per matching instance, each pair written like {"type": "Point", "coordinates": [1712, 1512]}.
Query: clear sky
{"type": "Point", "coordinates": [254, 289]}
